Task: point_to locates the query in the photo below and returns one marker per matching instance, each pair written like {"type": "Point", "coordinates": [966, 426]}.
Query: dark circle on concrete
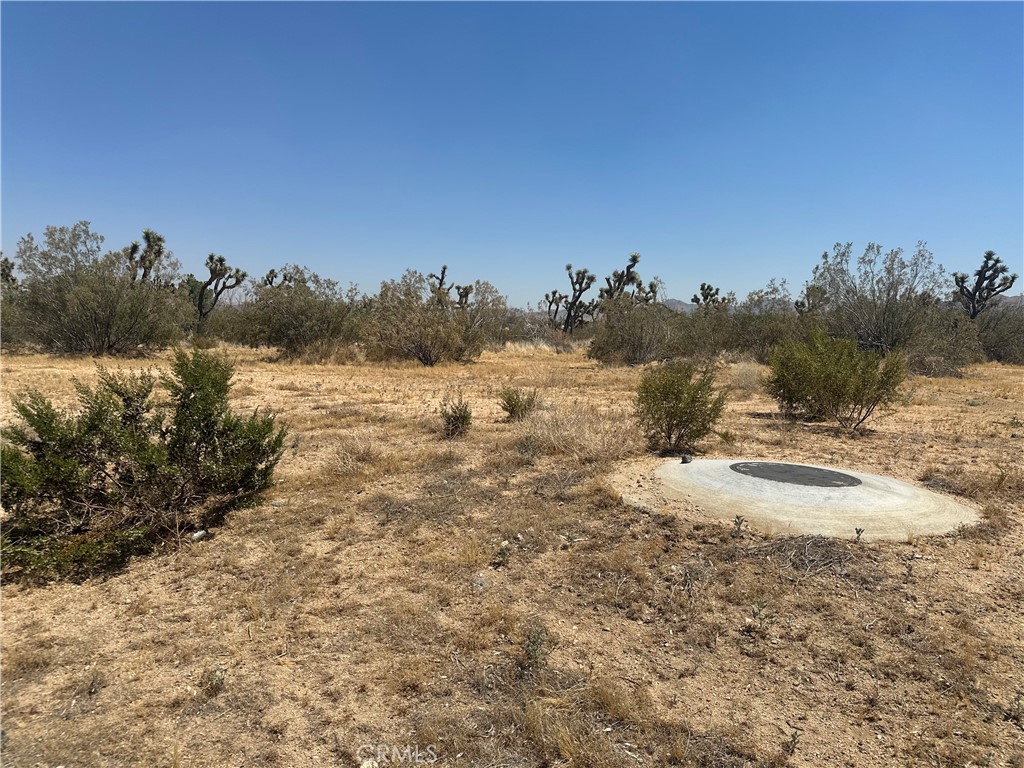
{"type": "Point", "coordinates": [795, 474]}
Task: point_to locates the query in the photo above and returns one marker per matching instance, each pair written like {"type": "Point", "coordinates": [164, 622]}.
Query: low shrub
{"type": "Point", "coordinates": [518, 403]}
{"type": "Point", "coordinates": [86, 490]}
{"type": "Point", "coordinates": [833, 379]}
{"type": "Point", "coordinates": [456, 416]}
{"type": "Point", "coordinates": [677, 406]}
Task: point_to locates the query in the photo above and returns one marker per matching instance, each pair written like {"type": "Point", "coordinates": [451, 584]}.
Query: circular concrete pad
{"type": "Point", "coordinates": [806, 499]}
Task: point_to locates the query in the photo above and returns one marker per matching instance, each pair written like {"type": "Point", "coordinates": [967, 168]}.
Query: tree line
{"type": "Point", "coordinates": [66, 295]}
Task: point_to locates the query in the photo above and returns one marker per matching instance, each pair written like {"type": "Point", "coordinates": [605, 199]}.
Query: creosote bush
{"type": "Point", "coordinates": [677, 406]}
{"type": "Point", "coordinates": [86, 490]}
{"type": "Point", "coordinates": [456, 416]}
{"type": "Point", "coordinates": [833, 379]}
{"type": "Point", "coordinates": [518, 403]}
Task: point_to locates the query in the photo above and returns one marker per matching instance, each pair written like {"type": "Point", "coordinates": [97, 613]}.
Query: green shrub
{"type": "Point", "coordinates": [417, 318]}
{"type": "Point", "coordinates": [517, 403]}
{"type": "Point", "coordinates": [632, 334]}
{"type": "Point", "coordinates": [1001, 328]}
{"type": "Point", "coordinates": [456, 416]}
{"type": "Point", "coordinates": [75, 299]}
{"type": "Point", "coordinates": [85, 490]}
{"type": "Point", "coordinates": [308, 317]}
{"type": "Point", "coordinates": [945, 342]}
{"type": "Point", "coordinates": [833, 379]}
{"type": "Point", "coordinates": [676, 405]}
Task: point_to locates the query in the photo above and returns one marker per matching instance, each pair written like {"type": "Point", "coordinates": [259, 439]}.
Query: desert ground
{"type": "Point", "coordinates": [398, 598]}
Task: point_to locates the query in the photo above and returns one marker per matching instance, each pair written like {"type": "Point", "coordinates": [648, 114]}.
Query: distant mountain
{"type": "Point", "coordinates": [680, 306]}
{"type": "Point", "coordinates": [1016, 301]}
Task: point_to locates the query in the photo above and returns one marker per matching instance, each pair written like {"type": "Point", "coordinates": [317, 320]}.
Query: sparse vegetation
{"type": "Point", "coordinates": [301, 313]}
{"type": "Point", "coordinates": [632, 334]}
{"type": "Point", "coordinates": [578, 432]}
{"type": "Point", "coordinates": [416, 318]}
{"type": "Point", "coordinates": [397, 583]}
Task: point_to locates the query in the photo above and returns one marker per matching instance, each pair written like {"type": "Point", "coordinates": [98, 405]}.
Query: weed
{"type": "Point", "coordinates": [518, 403]}
{"type": "Point", "coordinates": [456, 416]}
{"type": "Point", "coordinates": [581, 433]}
{"type": "Point", "coordinates": [536, 647]}
{"type": "Point", "coordinates": [1014, 713]}
{"type": "Point", "coordinates": [761, 620]}
{"type": "Point", "coordinates": [500, 559]}
{"type": "Point", "coordinates": [212, 681]}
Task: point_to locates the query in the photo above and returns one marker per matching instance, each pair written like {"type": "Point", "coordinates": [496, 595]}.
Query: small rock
{"type": "Point", "coordinates": [277, 503]}
{"type": "Point", "coordinates": [200, 535]}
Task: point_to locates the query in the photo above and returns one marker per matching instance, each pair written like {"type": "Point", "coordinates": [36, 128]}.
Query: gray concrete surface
{"type": "Point", "coordinates": [884, 507]}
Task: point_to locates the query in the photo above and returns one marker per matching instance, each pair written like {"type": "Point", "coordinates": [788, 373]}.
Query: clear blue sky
{"type": "Point", "coordinates": [727, 143]}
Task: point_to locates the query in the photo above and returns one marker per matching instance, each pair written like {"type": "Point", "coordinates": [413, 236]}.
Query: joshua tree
{"type": "Point", "coordinates": [990, 279]}
{"type": "Point", "coordinates": [811, 300]}
{"type": "Point", "coordinates": [709, 297]}
{"type": "Point", "coordinates": [222, 278]}
{"type": "Point", "coordinates": [620, 280]}
{"type": "Point", "coordinates": [142, 260]}
{"type": "Point", "coordinates": [575, 308]}
{"type": "Point", "coordinates": [442, 291]}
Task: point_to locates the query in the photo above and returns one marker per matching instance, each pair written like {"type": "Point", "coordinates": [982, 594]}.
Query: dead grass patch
{"type": "Point", "coordinates": [745, 378]}
{"type": "Point", "coordinates": [580, 433]}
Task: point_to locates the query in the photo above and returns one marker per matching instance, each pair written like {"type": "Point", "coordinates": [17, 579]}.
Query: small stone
{"type": "Point", "coordinates": [277, 503]}
{"type": "Point", "coordinates": [200, 535]}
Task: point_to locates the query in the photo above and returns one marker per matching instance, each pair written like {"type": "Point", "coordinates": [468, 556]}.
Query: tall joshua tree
{"type": "Point", "coordinates": [222, 278]}
{"type": "Point", "coordinates": [142, 259]}
{"type": "Point", "coordinates": [990, 279]}
{"type": "Point", "coordinates": [576, 309]}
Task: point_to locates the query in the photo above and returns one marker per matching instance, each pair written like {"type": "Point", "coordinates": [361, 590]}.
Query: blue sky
{"type": "Point", "coordinates": [727, 143]}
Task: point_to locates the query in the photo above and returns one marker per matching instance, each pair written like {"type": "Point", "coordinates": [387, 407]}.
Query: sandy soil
{"type": "Point", "coordinates": [491, 601]}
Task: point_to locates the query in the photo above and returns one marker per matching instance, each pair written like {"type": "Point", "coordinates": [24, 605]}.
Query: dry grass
{"type": "Point", "coordinates": [745, 378]}
{"type": "Point", "coordinates": [493, 598]}
{"type": "Point", "coordinates": [581, 433]}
